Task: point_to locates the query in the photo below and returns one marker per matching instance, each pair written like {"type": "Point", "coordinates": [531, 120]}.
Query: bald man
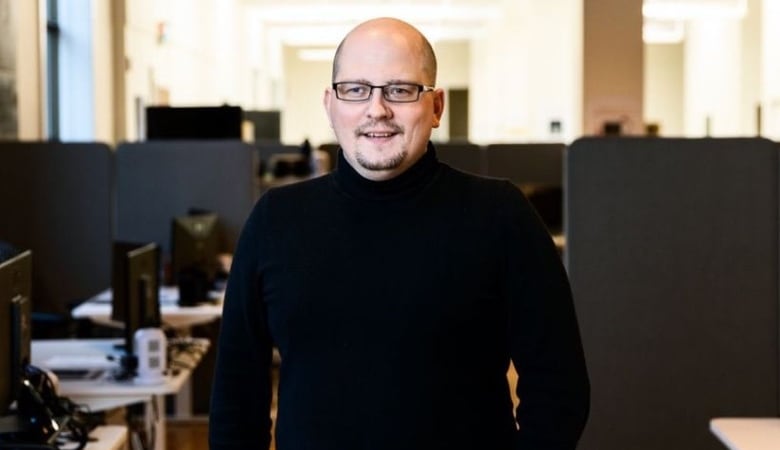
{"type": "Point", "coordinates": [396, 289]}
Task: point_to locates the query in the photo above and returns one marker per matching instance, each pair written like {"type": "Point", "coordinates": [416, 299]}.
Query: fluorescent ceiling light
{"type": "Point", "coordinates": [352, 13]}
{"type": "Point", "coordinates": [663, 31]}
{"type": "Point", "coordinates": [694, 9]}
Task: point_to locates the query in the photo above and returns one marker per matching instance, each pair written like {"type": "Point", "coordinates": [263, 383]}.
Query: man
{"type": "Point", "coordinates": [396, 289]}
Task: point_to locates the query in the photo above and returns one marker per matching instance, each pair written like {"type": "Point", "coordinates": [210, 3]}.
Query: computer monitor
{"type": "Point", "coordinates": [135, 285]}
{"type": "Point", "coordinates": [15, 311]}
{"type": "Point", "coordinates": [194, 122]}
{"type": "Point", "coordinates": [195, 246]}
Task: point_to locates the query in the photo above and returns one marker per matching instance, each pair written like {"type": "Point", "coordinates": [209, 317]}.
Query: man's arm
{"type": "Point", "coordinates": [544, 340]}
{"type": "Point", "coordinates": [241, 393]}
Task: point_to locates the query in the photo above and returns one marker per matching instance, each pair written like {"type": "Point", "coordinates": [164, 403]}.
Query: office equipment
{"type": "Point", "coordinates": [195, 244]}
{"type": "Point", "coordinates": [150, 347]}
{"type": "Point", "coordinates": [15, 289]}
{"type": "Point", "coordinates": [196, 122]}
{"type": "Point", "coordinates": [672, 254]}
{"type": "Point", "coordinates": [135, 289]}
{"type": "Point", "coordinates": [110, 393]}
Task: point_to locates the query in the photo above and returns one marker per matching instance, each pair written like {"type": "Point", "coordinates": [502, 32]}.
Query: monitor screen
{"type": "Point", "coordinates": [195, 246]}
{"type": "Point", "coordinates": [15, 310]}
{"type": "Point", "coordinates": [135, 285]}
{"type": "Point", "coordinates": [196, 122]}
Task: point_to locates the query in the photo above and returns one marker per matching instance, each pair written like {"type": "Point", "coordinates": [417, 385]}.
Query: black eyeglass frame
{"type": "Point", "coordinates": [421, 88]}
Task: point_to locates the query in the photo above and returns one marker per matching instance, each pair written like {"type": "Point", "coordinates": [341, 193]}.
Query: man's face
{"type": "Point", "coordinates": [381, 139]}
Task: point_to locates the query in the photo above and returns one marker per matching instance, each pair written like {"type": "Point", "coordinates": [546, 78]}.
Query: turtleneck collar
{"type": "Point", "coordinates": [407, 184]}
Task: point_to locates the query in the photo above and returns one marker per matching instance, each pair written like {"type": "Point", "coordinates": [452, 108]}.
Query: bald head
{"type": "Point", "coordinates": [398, 31]}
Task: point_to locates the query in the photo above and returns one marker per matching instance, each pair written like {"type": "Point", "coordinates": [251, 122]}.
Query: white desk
{"type": "Point", "coordinates": [747, 433]}
{"type": "Point", "coordinates": [98, 309]}
{"type": "Point", "coordinates": [106, 393]}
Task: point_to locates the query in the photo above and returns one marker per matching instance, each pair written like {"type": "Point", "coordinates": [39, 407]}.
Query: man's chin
{"type": "Point", "coordinates": [381, 163]}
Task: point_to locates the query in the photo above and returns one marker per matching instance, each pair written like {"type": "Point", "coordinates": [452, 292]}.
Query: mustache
{"type": "Point", "coordinates": [387, 126]}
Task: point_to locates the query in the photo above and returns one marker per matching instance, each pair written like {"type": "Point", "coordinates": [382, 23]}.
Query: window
{"type": "Point", "coordinates": [53, 35]}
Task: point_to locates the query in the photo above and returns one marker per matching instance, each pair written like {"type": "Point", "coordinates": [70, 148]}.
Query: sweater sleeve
{"type": "Point", "coordinates": [241, 393]}
{"type": "Point", "coordinates": [544, 338]}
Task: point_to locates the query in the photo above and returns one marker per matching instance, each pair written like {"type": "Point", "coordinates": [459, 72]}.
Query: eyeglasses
{"type": "Point", "coordinates": [352, 91]}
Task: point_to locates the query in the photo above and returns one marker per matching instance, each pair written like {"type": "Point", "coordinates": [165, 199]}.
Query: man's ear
{"type": "Point", "coordinates": [438, 107]}
{"type": "Point", "coordinates": [327, 97]}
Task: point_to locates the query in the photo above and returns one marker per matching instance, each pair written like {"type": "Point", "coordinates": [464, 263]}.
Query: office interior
{"type": "Point", "coordinates": [661, 118]}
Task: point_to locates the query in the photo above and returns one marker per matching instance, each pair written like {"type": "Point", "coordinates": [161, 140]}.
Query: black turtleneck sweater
{"type": "Point", "coordinates": [396, 307]}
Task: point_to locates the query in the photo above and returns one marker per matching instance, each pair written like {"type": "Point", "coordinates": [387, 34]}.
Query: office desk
{"type": "Point", "coordinates": [106, 393]}
{"type": "Point", "coordinates": [747, 433]}
{"type": "Point", "coordinates": [98, 309]}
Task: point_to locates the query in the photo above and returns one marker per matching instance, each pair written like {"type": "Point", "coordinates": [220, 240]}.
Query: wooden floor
{"type": "Point", "coordinates": [194, 435]}
{"type": "Point", "coordinates": [190, 436]}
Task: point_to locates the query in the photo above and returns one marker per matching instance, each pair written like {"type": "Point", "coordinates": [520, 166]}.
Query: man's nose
{"type": "Point", "coordinates": [377, 105]}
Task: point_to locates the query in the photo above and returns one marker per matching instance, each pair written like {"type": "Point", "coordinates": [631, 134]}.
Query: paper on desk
{"type": "Point", "coordinates": [66, 362]}
{"type": "Point", "coordinates": [168, 294]}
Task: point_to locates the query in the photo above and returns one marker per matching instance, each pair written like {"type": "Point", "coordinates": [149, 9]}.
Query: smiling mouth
{"type": "Point", "coordinates": [386, 134]}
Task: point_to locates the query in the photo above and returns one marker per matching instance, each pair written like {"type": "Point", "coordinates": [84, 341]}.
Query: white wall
{"type": "Point", "coordinates": [770, 72]}
{"type": "Point", "coordinates": [198, 62]}
{"type": "Point", "coordinates": [525, 72]}
{"type": "Point", "coordinates": [750, 88]}
{"type": "Point", "coordinates": [522, 72]}
{"type": "Point", "coordinates": [28, 70]}
{"type": "Point", "coordinates": [663, 92]}
{"type": "Point", "coordinates": [303, 115]}
{"type": "Point", "coordinates": [102, 69]}
{"type": "Point", "coordinates": [613, 65]}
{"type": "Point", "coordinates": [453, 59]}
{"type": "Point", "coordinates": [712, 62]}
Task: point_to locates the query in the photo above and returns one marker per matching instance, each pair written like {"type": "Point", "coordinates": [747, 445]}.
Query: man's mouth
{"type": "Point", "coordinates": [379, 134]}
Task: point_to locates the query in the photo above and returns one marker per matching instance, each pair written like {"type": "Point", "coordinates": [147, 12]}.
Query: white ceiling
{"type": "Point", "coordinates": [324, 22]}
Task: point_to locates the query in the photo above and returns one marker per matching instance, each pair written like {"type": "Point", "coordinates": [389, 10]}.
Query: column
{"type": "Point", "coordinates": [613, 65]}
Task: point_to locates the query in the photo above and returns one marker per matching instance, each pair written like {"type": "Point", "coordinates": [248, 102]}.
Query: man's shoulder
{"type": "Point", "coordinates": [300, 189]}
{"type": "Point", "coordinates": [476, 182]}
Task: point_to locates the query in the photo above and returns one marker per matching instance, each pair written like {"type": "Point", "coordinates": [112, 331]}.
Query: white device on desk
{"type": "Point", "coordinates": [151, 350]}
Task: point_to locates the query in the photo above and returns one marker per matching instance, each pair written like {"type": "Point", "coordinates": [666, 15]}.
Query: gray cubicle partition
{"type": "Point", "coordinates": [531, 163]}
{"type": "Point", "coordinates": [57, 201]}
{"type": "Point", "coordinates": [159, 180]}
{"type": "Point", "coordinates": [463, 156]}
{"type": "Point", "coordinates": [672, 251]}
{"type": "Point", "coordinates": [537, 168]}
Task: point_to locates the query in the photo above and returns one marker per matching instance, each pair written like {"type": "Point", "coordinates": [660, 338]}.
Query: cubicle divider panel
{"type": "Point", "coordinates": [267, 150]}
{"type": "Point", "coordinates": [57, 201]}
{"type": "Point", "coordinates": [531, 163]}
{"type": "Point", "coordinates": [160, 180]}
{"type": "Point", "coordinates": [672, 252]}
{"type": "Point", "coordinates": [537, 168]}
{"type": "Point", "coordinates": [462, 156]}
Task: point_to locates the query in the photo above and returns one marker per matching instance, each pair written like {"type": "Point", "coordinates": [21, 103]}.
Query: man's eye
{"type": "Point", "coordinates": [355, 90]}
{"type": "Point", "coordinates": [399, 91]}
